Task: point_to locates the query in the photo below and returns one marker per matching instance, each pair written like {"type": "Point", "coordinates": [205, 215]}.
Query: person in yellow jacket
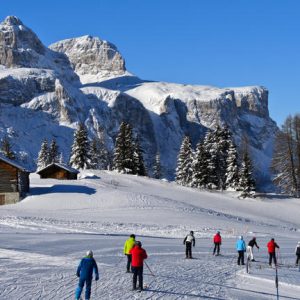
{"type": "Point", "coordinates": [129, 244]}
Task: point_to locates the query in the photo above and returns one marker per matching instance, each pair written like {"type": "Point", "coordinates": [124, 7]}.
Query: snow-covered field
{"type": "Point", "coordinates": [43, 237]}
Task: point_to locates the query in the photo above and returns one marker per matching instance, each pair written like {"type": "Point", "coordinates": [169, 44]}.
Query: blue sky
{"type": "Point", "coordinates": [215, 42]}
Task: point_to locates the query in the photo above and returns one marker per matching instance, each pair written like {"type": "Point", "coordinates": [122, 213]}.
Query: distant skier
{"type": "Point", "coordinates": [85, 273]}
{"type": "Point", "coordinates": [217, 242]}
{"type": "Point", "coordinates": [250, 246]}
{"type": "Point", "coordinates": [241, 248]}
{"type": "Point", "coordinates": [129, 244]}
{"type": "Point", "coordinates": [272, 251]}
{"type": "Point", "coordinates": [189, 240]}
{"type": "Point", "coordinates": [297, 252]}
{"type": "Point", "coordinates": [138, 256]}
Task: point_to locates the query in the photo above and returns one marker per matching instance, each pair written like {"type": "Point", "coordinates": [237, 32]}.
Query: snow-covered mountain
{"type": "Point", "coordinates": [45, 92]}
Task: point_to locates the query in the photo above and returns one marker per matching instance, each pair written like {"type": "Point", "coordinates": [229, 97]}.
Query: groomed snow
{"type": "Point", "coordinates": [44, 236]}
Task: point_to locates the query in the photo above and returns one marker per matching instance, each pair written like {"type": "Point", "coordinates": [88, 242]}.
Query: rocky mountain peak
{"type": "Point", "coordinates": [91, 57]}
{"type": "Point", "coordinates": [12, 21]}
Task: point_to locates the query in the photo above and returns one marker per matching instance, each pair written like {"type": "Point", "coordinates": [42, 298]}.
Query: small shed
{"type": "Point", "coordinates": [14, 181]}
{"type": "Point", "coordinates": [58, 171]}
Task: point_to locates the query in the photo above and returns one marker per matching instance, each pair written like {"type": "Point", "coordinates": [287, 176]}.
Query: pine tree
{"type": "Point", "coordinates": [94, 163]}
{"type": "Point", "coordinates": [157, 167]}
{"type": "Point", "coordinates": [184, 163]}
{"type": "Point", "coordinates": [139, 166]}
{"type": "Point", "coordinates": [6, 148]}
{"type": "Point", "coordinates": [232, 171]}
{"type": "Point", "coordinates": [54, 152]}
{"type": "Point", "coordinates": [246, 182]}
{"type": "Point", "coordinates": [43, 159]}
{"type": "Point", "coordinates": [200, 167]}
{"type": "Point", "coordinates": [130, 166]}
{"type": "Point", "coordinates": [80, 153]}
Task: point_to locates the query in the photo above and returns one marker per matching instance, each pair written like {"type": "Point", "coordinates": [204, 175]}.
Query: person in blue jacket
{"type": "Point", "coordinates": [85, 273]}
{"type": "Point", "coordinates": [241, 249]}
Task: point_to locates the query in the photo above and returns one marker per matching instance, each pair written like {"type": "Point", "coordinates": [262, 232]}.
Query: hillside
{"type": "Point", "coordinates": [43, 237]}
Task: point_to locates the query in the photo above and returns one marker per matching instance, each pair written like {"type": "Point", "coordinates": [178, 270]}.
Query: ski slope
{"type": "Point", "coordinates": [43, 238]}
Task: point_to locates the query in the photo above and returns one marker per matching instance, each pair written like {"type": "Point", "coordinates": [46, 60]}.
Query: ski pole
{"type": "Point", "coordinates": [276, 282]}
{"type": "Point", "coordinates": [149, 269]}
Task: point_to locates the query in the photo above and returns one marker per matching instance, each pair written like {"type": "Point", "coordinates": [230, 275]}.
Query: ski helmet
{"type": "Point", "coordinates": [138, 243]}
{"type": "Point", "coordinates": [241, 237]}
{"type": "Point", "coordinates": [89, 253]}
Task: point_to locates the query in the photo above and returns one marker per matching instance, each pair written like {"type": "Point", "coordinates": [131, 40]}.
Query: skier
{"type": "Point", "coordinates": [85, 274]}
{"type": "Point", "coordinates": [138, 256]}
{"type": "Point", "coordinates": [129, 244]}
{"type": "Point", "coordinates": [297, 251]}
{"type": "Point", "coordinates": [272, 251]}
{"type": "Point", "coordinates": [217, 242]}
{"type": "Point", "coordinates": [241, 248]}
{"type": "Point", "coordinates": [188, 241]}
{"type": "Point", "coordinates": [250, 246]}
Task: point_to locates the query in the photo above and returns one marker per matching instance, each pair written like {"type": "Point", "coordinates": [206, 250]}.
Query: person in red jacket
{"type": "Point", "coordinates": [217, 242]}
{"type": "Point", "coordinates": [138, 255]}
{"type": "Point", "coordinates": [272, 251]}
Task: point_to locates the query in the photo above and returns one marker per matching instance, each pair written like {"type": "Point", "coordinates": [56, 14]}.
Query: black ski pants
{"type": "Point", "coordinates": [241, 257]}
{"type": "Point", "coordinates": [188, 250]}
{"type": "Point", "coordinates": [298, 259]}
{"type": "Point", "coordinates": [129, 257]}
{"type": "Point", "coordinates": [137, 273]}
{"type": "Point", "coordinates": [272, 256]}
{"type": "Point", "coordinates": [217, 248]}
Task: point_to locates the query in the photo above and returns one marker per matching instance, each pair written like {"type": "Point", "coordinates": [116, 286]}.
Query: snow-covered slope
{"type": "Point", "coordinates": [43, 237]}
{"type": "Point", "coordinates": [85, 79]}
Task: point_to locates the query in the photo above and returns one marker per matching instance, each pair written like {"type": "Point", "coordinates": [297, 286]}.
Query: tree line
{"type": "Point", "coordinates": [215, 164]}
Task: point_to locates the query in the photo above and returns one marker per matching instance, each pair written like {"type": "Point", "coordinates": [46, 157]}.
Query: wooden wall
{"type": "Point", "coordinates": [8, 178]}
{"type": "Point", "coordinates": [57, 173]}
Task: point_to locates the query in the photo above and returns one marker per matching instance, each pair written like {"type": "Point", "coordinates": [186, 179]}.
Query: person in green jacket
{"type": "Point", "coordinates": [129, 244]}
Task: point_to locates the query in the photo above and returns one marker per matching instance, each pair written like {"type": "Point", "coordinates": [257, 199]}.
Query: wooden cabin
{"type": "Point", "coordinates": [14, 181]}
{"type": "Point", "coordinates": [58, 171]}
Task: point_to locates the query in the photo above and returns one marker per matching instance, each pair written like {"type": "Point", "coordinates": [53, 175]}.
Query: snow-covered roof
{"type": "Point", "coordinates": [12, 163]}
{"type": "Point", "coordinates": [62, 166]}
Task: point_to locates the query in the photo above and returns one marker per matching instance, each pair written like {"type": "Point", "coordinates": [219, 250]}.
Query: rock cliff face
{"type": "Point", "coordinates": [45, 92]}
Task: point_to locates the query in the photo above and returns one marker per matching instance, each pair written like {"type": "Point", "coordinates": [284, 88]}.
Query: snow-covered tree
{"type": "Point", "coordinates": [232, 171]}
{"type": "Point", "coordinates": [246, 181]}
{"type": "Point", "coordinates": [54, 152]}
{"type": "Point", "coordinates": [43, 157]}
{"type": "Point", "coordinates": [138, 160]}
{"type": "Point", "coordinates": [157, 167]}
{"type": "Point", "coordinates": [94, 163]}
{"type": "Point", "coordinates": [6, 148]}
{"type": "Point", "coordinates": [80, 153]}
{"type": "Point", "coordinates": [184, 163]}
{"type": "Point", "coordinates": [123, 161]}
{"type": "Point", "coordinates": [200, 167]}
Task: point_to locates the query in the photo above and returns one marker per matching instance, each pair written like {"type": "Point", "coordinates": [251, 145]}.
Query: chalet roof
{"type": "Point", "coordinates": [62, 166]}
{"type": "Point", "coordinates": [13, 163]}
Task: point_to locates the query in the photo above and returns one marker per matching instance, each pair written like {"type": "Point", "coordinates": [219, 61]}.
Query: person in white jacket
{"type": "Point", "coordinates": [188, 241]}
{"type": "Point", "coordinates": [297, 252]}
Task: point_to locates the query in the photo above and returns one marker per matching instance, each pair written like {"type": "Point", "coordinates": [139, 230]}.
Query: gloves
{"type": "Point", "coordinates": [97, 277]}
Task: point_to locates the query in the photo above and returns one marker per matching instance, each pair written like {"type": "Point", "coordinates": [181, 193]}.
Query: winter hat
{"type": "Point", "coordinates": [241, 237]}
{"type": "Point", "coordinates": [132, 236]}
{"type": "Point", "coordinates": [254, 238]}
{"type": "Point", "coordinates": [191, 232]}
{"type": "Point", "coordinates": [89, 253]}
{"type": "Point", "coordinates": [138, 243]}
{"type": "Point", "coordinates": [218, 232]}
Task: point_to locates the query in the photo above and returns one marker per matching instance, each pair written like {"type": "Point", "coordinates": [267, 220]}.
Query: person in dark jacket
{"type": "Point", "coordinates": [241, 249]}
{"type": "Point", "coordinates": [85, 273]}
{"type": "Point", "coordinates": [272, 251]}
{"type": "Point", "coordinates": [138, 255]}
{"type": "Point", "coordinates": [250, 246]}
{"type": "Point", "coordinates": [188, 241]}
{"type": "Point", "coordinates": [217, 242]}
{"type": "Point", "coordinates": [297, 252]}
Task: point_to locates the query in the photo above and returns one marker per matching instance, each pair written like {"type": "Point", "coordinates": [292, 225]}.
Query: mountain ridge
{"type": "Point", "coordinates": [85, 80]}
